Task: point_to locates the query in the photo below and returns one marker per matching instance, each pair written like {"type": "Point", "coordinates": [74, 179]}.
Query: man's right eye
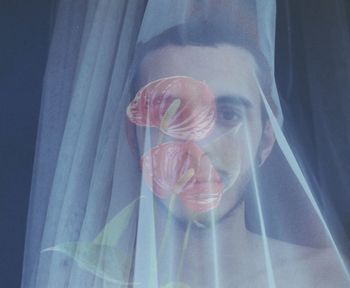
{"type": "Point", "coordinates": [228, 115]}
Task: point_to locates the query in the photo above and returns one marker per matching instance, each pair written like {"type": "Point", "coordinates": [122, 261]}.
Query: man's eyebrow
{"type": "Point", "coordinates": [234, 99]}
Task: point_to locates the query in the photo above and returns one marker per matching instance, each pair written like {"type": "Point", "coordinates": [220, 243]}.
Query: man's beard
{"type": "Point", "coordinates": [231, 200]}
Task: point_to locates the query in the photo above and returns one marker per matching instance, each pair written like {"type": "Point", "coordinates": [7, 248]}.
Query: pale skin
{"type": "Point", "coordinates": [238, 141]}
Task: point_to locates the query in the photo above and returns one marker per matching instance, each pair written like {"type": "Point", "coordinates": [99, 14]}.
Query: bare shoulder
{"type": "Point", "coordinates": [296, 266]}
{"type": "Point", "coordinates": [330, 268]}
{"type": "Point", "coordinates": [300, 266]}
{"type": "Point", "coordinates": [321, 268]}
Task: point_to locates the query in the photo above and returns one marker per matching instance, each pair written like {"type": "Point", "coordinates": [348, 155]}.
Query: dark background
{"type": "Point", "coordinates": [312, 73]}
{"type": "Point", "coordinates": [24, 41]}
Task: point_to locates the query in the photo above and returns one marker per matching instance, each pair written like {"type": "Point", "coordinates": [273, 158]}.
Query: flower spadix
{"type": "Point", "coordinates": [181, 107]}
{"type": "Point", "coordinates": [184, 170]}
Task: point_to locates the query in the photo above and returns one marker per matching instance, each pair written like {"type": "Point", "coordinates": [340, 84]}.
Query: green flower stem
{"type": "Point", "coordinates": [183, 250]}
{"type": "Point", "coordinates": [178, 187]}
{"type": "Point", "coordinates": [160, 138]}
{"type": "Point", "coordinates": [167, 224]}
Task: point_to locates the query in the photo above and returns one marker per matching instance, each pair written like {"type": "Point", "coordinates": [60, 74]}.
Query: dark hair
{"type": "Point", "coordinates": [210, 33]}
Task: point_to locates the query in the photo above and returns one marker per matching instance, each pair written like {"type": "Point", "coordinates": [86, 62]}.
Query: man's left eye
{"type": "Point", "coordinates": [228, 115]}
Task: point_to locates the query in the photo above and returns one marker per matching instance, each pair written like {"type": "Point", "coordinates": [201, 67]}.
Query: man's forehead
{"type": "Point", "coordinates": [226, 69]}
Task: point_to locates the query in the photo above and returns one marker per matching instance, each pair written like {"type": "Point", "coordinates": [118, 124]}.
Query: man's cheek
{"type": "Point", "coordinates": [228, 153]}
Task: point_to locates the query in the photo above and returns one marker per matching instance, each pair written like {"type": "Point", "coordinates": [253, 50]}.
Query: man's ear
{"type": "Point", "coordinates": [266, 143]}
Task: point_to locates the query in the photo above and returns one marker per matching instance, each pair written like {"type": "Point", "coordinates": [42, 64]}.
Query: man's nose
{"type": "Point", "coordinates": [209, 145]}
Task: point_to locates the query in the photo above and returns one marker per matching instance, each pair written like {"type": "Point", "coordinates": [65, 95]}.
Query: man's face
{"type": "Point", "coordinates": [234, 143]}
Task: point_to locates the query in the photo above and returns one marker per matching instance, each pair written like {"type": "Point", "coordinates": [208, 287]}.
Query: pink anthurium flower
{"type": "Point", "coordinates": [183, 170]}
{"type": "Point", "coordinates": [181, 107]}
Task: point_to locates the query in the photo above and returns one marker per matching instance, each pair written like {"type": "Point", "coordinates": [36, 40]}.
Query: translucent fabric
{"type": "Point", "coordinates": [161, 157]}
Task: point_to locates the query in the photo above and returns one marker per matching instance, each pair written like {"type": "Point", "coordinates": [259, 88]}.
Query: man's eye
{"type": "Point", "coordinates": [228, 116]}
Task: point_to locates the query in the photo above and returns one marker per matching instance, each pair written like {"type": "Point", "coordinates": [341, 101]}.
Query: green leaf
{"type": "Point", "coordinates": [105, 262]}
{"type": "Point", "coordinates": [102, 256]}
{"type": "Point", "coordinates": [113, 230]}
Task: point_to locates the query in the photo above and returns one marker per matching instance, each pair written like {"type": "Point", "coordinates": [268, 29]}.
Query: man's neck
{"type": "Point", "coordinates": [225, 246]}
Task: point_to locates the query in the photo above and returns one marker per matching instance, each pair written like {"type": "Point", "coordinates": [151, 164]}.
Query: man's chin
{"type": "Point", "coordinates": [204, 219]}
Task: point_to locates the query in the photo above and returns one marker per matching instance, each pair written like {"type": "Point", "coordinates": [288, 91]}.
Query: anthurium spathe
{"type": "Point", "coordinates": [184, 170]}
{"type": "Point", "coordinates": [192, 111]}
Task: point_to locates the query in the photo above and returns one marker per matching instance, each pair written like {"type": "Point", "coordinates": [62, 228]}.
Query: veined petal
{"type": "Point", "coordinates": [173, 165]}
{"type": "Point", "coordinates": [195, 113]}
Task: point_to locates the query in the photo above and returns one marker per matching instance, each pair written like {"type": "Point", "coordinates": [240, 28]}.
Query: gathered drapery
{"type": "Point", "coordinates": [161, 157]}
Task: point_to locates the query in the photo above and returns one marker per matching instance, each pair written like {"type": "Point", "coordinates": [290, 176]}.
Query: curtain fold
{"type": "Point", "coordinates": [89, 52]}
{"type": "Point", "coordinates": [95, 218]}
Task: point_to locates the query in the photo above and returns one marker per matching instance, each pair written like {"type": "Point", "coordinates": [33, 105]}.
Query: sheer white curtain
{"type": "Point", "coordinates": [77, 144]}
{"type": "Point", "coordinates": [86, 172]}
